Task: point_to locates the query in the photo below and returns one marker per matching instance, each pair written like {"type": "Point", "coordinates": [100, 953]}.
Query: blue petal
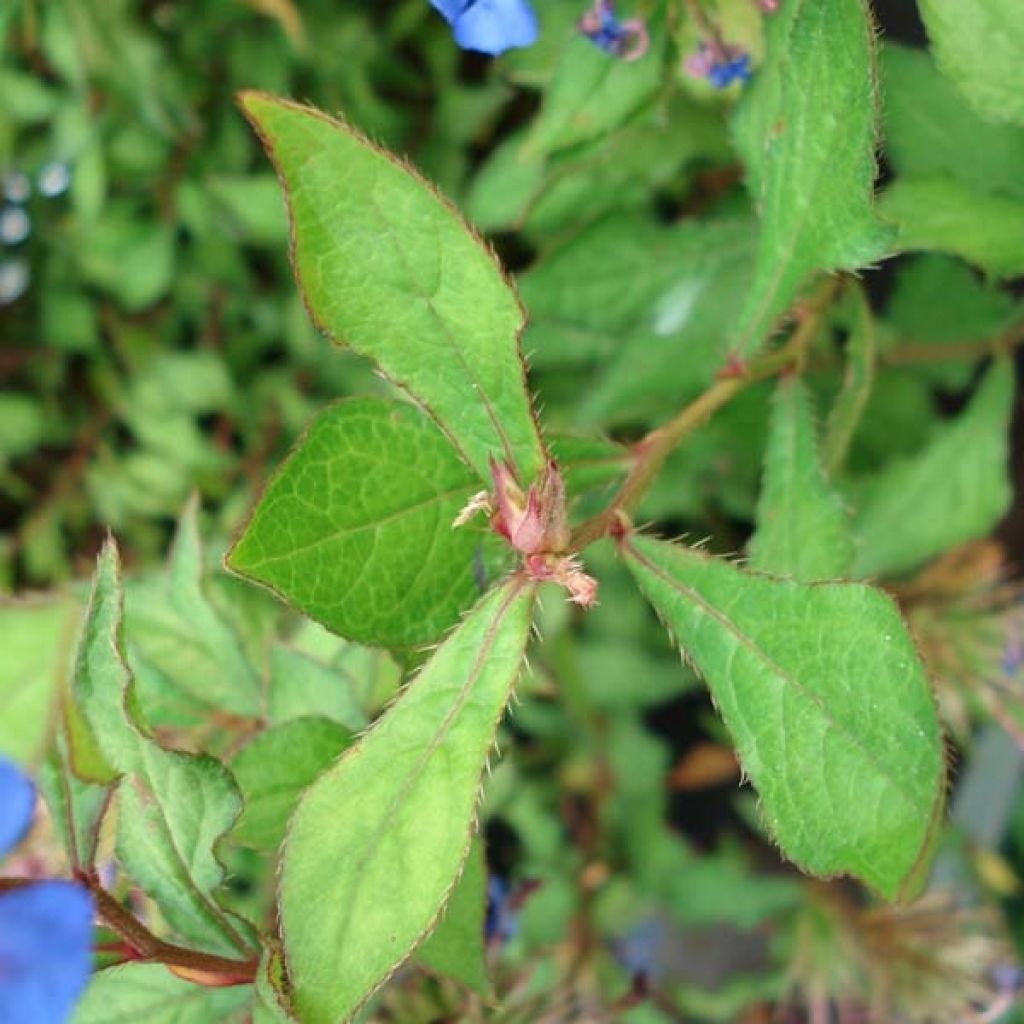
{"type": "Point", "coordinates": [494, 26]}
{"type": "Point", "coordinates": [17, 801]}
{"type": "Point", "coordinates": [45, 951]}
{"type": "Point", "coordinates": [449, 9]}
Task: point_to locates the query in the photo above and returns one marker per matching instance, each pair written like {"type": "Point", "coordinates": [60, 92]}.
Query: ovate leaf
{"type": "Point", "coordinates": [954, 491]}
{"type": "Point", "coordinates": [151, 993]}
{"type": "Point", "coordinates": [172, 807]}
{"type": "Point", "coordinates": [827, 702]}
{"type": "Point", "coordinates": [978, 45]}
{"type": "Point", "coordinates": [806, 131]}
{"type": "Point", "coordinates": [378, 841]}
{"type": "Point", "coordinates": [274, 769]}
{"type": "Point", "coordinates": [374, 556]}
{"type": "Point", "coordinates": [940, 214]}
{"type": "Point", "coordinates": [389, 268]}
{"type": "Point", "coordinates": [803, 530]}
{"type": "Point", "coordinates": [456, 946]}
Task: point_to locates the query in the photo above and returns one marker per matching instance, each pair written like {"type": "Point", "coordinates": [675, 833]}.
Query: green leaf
{"type": "Point", "coordinates": [388, 268]}
{"type": "Point", "coordinates": [128, 257]}
{"type": "Point", "coordinates": [930, 129]}
{"type": "Point", "coordinates": [829, 706]}
{"type": "Point", "coordinates": [806, 131]}
{"type": "Point", "coordinates": [970, 309]}
{"type": "Point", "coordinates": [648, 306]}
{"type": "Point", "coordinates": [374, 557]}
{"type": "Point", "coordinates": [274, 769]}
{"type": "Point", "coordinates": [181, 643]}
{"type": "Point", "coordinates": [943, 215]}
{"type": "Point", "coordinates": [954, 491]}
{"type": "Point", "coordinates": [803, 531]}
{"type": "Point", "coordinates": [591, 94]}
{"type": "Point", "coordinates": [456, 945]}
{"type": "Point", "coordinates": [151, 993]}
{"type": "Point", "coordinates": [858, 382]}
{"type": "Point", "coordinates": [172, 807]}
{"type": "Point", "coordinates": [37, 638]}
{"type": "Point", "coordinates": [377, 842]}
{"type": "Point", "coordinates": [301, 686]}
{"type": "Point", "coordinates": [978, 46]}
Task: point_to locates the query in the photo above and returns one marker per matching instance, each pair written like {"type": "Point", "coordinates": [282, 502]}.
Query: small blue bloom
{"type": "Point", "coordinates": [735, 70]}
{"type": "Point", "coordinates": [625, 39]}
{"type": "Point", "coordinates": [720, 65]}
{"type": "Point", "coordinates": [45, 927]}
{"type": "Point", "coordinates": [489, 26]}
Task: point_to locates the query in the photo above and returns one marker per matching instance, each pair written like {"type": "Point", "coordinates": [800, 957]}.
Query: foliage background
{"type": "Point", "coordinates": [161, 349]}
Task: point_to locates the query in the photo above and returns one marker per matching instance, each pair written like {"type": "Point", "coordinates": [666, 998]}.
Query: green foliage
{"type": "Point", "coordinates": [979, 49]}
{"type": "Point", "coordinates": [456, 946]}
{"type": "Point", "coordinates": [389, 486]}
{"type": "Point", "coordinates": [919, 507]}
{"type": "Point", "coordinates": [803, 531]}
{"type": "Point", "coordinates": [942, 215]}
{"type": "Point", "coordinates": [150, 992]}
{"type": "Point", "coordinates": [806, 131]}
{"type": "Point", "coordinates": [281, 758]}
{"type": "Point", "coordinates": [406, 249]}
{"type": "Point", "coordinates": [412, 783]}
{"type": "Point", "coordinates": [820, 687]}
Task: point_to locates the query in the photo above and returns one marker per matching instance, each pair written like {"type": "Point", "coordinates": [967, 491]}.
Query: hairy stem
{"type": "Point", "coordinates": [651, 451]}
{"type": "Point", "coordinates": [202, 968]}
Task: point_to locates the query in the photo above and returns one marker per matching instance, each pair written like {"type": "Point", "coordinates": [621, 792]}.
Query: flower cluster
{"type": "Point", "coordinates": [45, 927]}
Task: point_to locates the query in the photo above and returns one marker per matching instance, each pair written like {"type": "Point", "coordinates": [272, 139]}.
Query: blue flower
{"type": "Point", "coordinates": [490, 26]}
{"type": "Point", "coordinates": [45, 927]}
{"type": "Point", "coordinates": [625, 39]}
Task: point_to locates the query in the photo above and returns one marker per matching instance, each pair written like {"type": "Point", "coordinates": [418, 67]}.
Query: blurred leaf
{"type": "Point", "coordinates": [150, 992]}
{"type": "Point", "coordinates": [820, 687]}
{"type": "Point", "coordinates": [955, 490]}
{"type": "Point", "coordinates": [389, 269]}
{"type": "Point", "coordinates": [858, 382]}
{"type": "Point", "coordinates": [22, 424]}
{"type": "Point", "coordinates": [128, 257]}
{"type": "Point", "coordinates": [592, 92]}
{"type": "Point", "coordinates": [931, 130]}
{"type": "Point", "coordinates": [378, 840]}
{"type": "Point", "coordinates": [942, 215]}
{"type": "Point", "coordinates": [37, 640]}
{"type": "Point", "coordinates": [456, 945]}
{"type": "Point", "coordinates": [253, 206]}
{"type": "Point", "coordinates": [806, 131]}
{"type": "Point", "coordinates": [803, 530]}
{"type": "Point", "coordinates": [301, 686]}
{"type": "Point", "coordinates": [647, 305]}
{"type": "Point", "coordinates": [979, 46]}
{"type": "Point", "coordinates": [377, 559]}
{"type": "Point", "coordinates": [274, 769]}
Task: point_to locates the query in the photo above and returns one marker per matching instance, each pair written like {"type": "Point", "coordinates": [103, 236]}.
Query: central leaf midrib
{"type": "Point", "coordinates": [374, 524]}
{"type": "Point", "coordinates": [370, 844]}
